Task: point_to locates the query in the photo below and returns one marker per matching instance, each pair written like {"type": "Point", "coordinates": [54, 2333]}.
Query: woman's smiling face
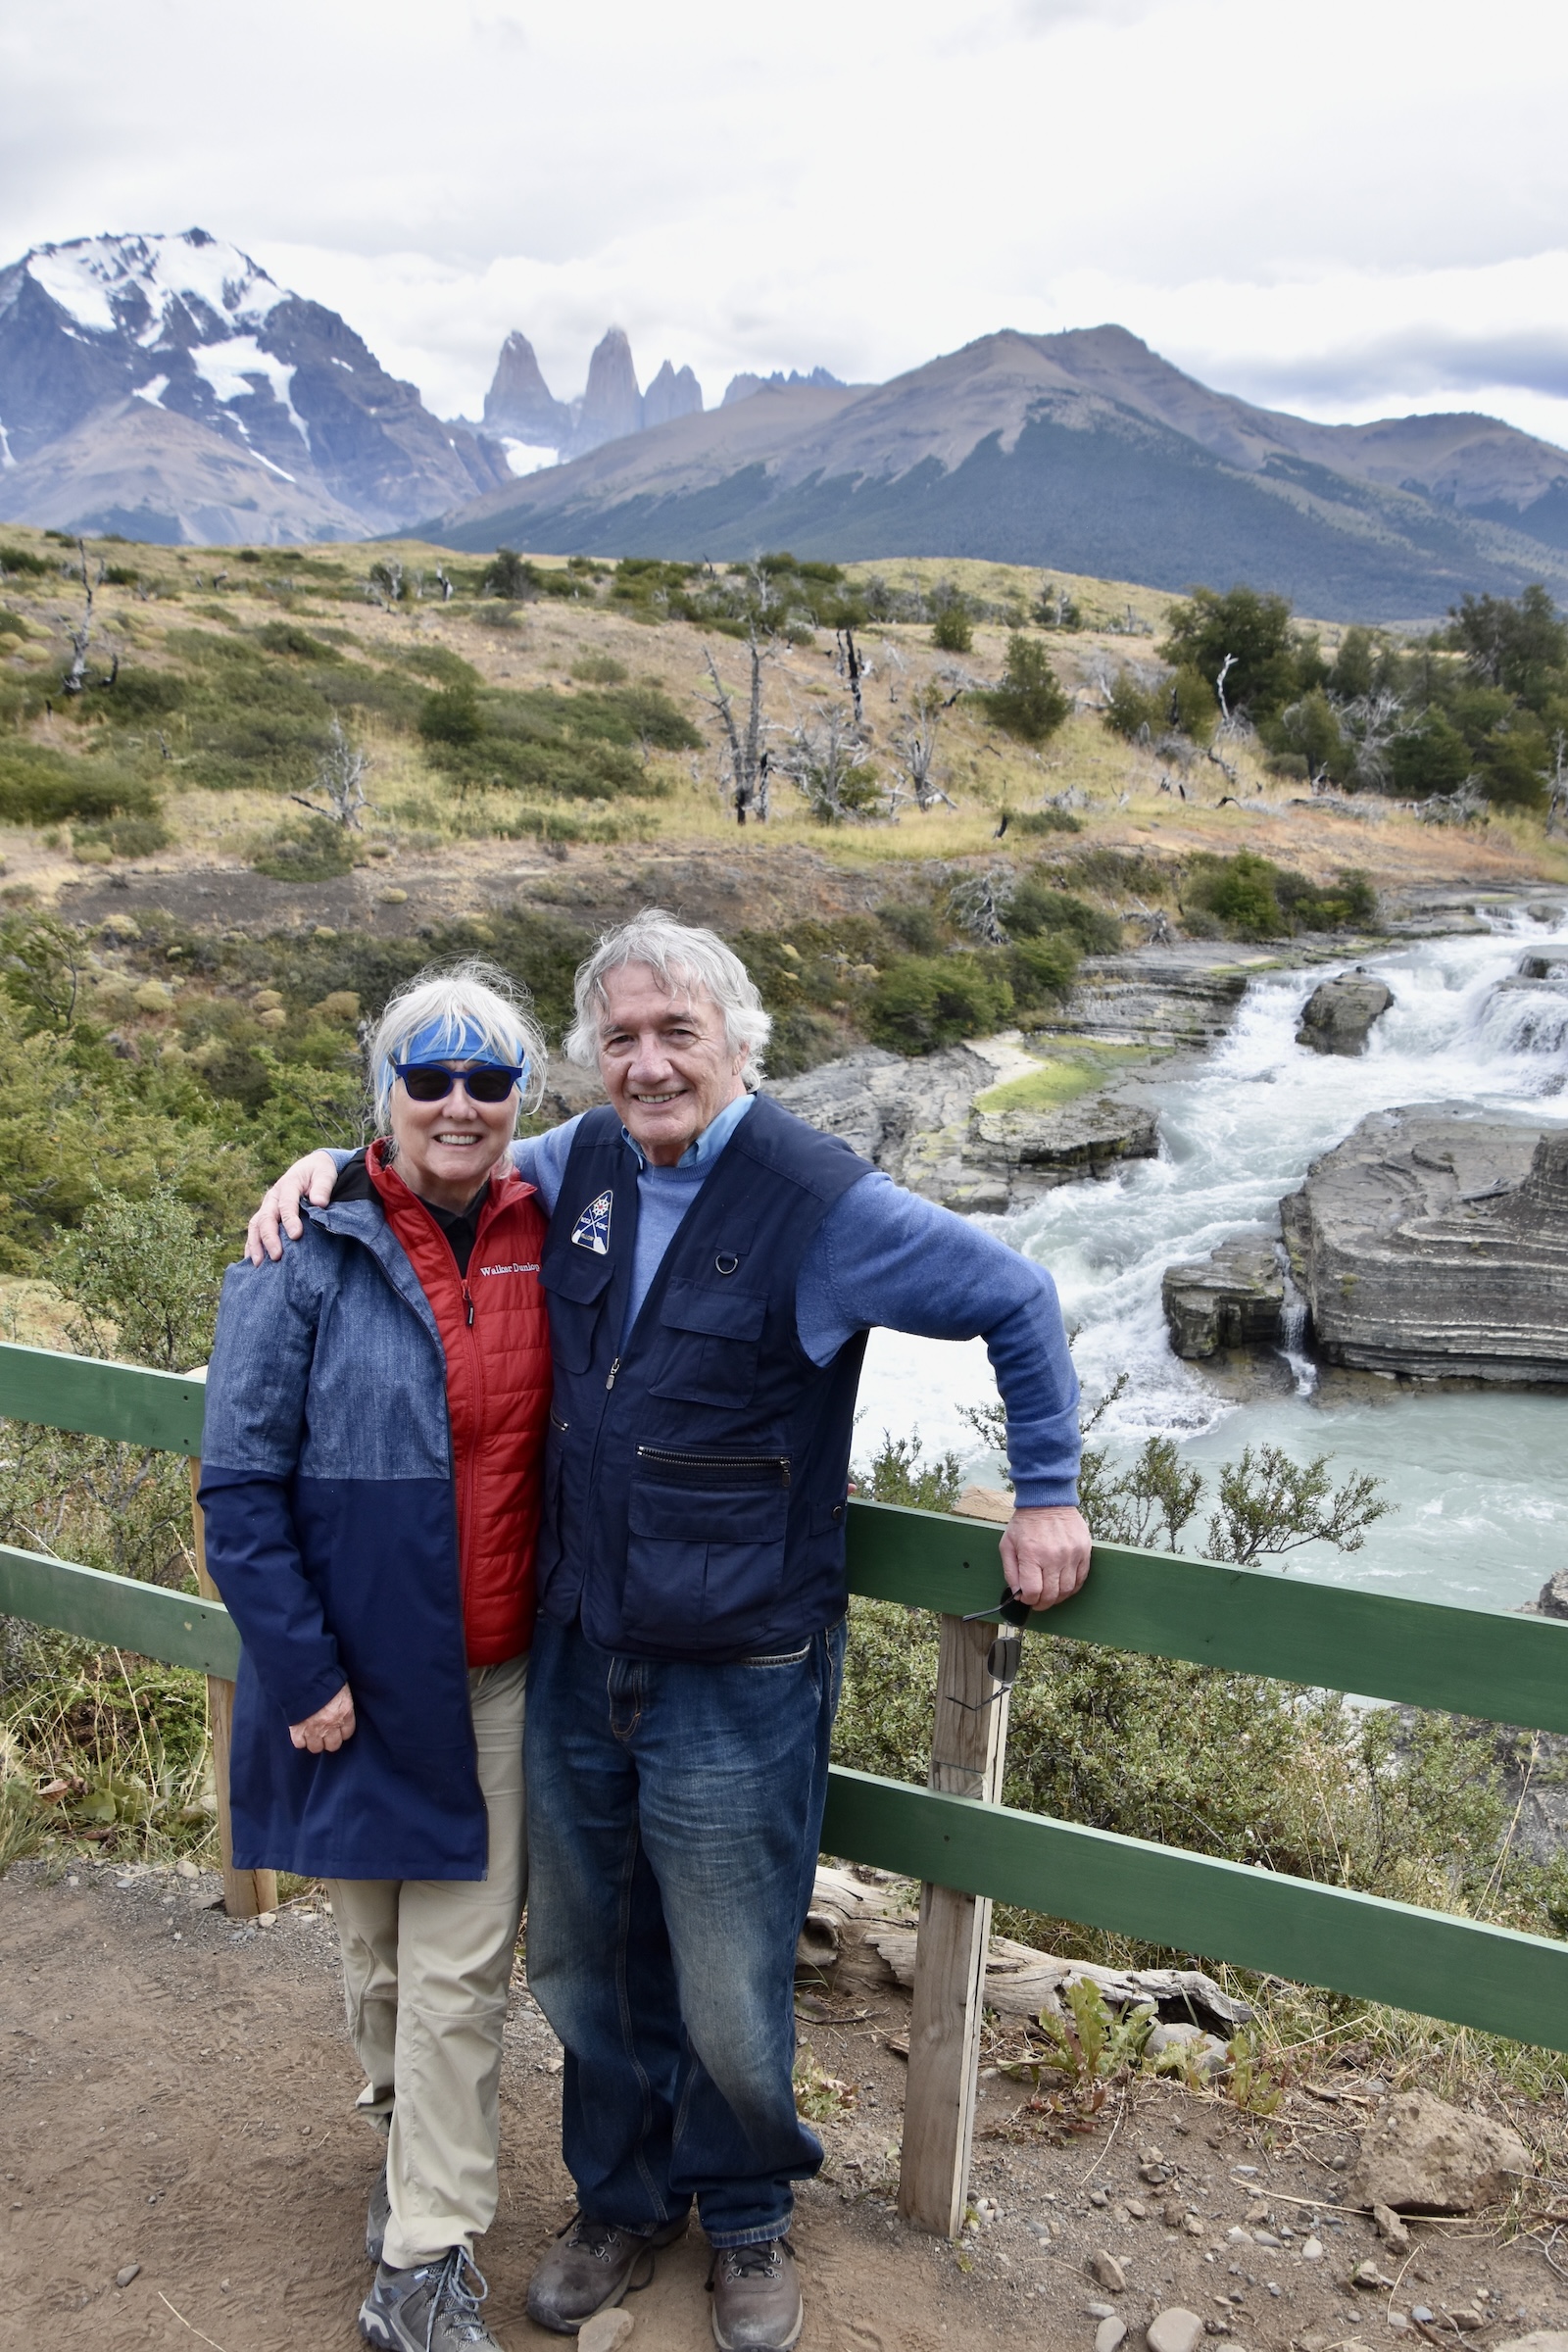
{"type": "Point", "coordinates": [446, 1150]}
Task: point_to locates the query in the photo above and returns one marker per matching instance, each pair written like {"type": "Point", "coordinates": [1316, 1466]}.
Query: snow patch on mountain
{"type": "Point", "coordinates": [231, 369]}
{"type": "Point", "coordinates": [95, 279]}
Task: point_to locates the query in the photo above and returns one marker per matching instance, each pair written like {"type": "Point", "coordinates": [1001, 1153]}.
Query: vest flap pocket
{"type": "Point", "coordinates": [709, 1514]}
{"type": "Point", "coordinates": [575, 1274]}
{"type": "Point", "coordinates": [719, 1312]}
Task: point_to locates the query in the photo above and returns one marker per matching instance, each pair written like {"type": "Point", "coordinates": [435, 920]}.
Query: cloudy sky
{"type": "Point", "coordinates": [1350, 209]}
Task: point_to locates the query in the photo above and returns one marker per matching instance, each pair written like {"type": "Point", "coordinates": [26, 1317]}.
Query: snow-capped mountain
{"type": "Point", "coordinates": [114, 349]}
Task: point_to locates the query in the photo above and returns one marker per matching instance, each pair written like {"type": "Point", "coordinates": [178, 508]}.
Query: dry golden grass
{"type": "Point", "coordinates": [1112, 788]}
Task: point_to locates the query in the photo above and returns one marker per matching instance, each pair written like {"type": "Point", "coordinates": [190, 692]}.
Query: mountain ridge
{"type": "Point", "coordinates": [1085, 451]}
{"type": "Point", "coordinates": [267, 382]}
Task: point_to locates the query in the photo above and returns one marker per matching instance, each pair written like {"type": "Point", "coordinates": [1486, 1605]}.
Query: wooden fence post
{"type": "Point", "coordinates": [245, 1891]}
{"type": "Point", "coordinates": [967, 1749]}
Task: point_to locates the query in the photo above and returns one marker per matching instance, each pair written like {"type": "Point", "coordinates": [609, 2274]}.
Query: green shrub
{"type": "Point", "coordinates": [39, 786]}
{"type": "Point", "coordinates": [1041, 971]}
{"type": "Point", "coordinates": [1043, 820]}
{"type": "Point", "coordinates": [286, 637]}
{"type": "Point", "coordinates": [1030, 702]}
{"type": "Point", "coordinates": [140, 694]}
{"type": "Point", "coordinates": [952, 629]}
{"type": "Point", "coordinates": [12, 624]}
{"type": "Point", "coordinates": [598, 669]}
{"type": "Point", "coordinates": [923, 1002]}
{"type": "Point", "coordinates": [1254, 899]}
{"type": "Point", "coordinates": [314, 850]}
{"type": "Point", "coordinates": [22, 559]}
{"type": "Point", "coordinates": [1428, 758]}
{"type": "Point", "coordinates": [1239, 892]}
{"type": "Point", "coordinates": [126, 836]}
{"type": "Point", "coordinates": [914, 928]}
{"type": "Point", "coordinates": [451, 716]}
{"type": "Point", "coordinates": [1035, 908]}
{"type": "Point", "coordinates": [1254, 632]}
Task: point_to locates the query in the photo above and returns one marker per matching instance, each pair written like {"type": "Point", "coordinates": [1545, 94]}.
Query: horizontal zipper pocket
{"type": "Point", "coordinates": [681, 1469]}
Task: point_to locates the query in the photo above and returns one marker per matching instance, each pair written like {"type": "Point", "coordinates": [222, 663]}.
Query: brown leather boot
{"type": "Point", "coordinates": [756, 2297]}
{"type": "Point", "coordinates": [590, 2267]}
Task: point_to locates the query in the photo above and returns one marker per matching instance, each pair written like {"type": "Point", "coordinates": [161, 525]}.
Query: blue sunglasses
{"type": "Point", "coordinates": [433, 1081]}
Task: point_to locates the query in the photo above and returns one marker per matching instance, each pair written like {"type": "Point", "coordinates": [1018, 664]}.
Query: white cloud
{"type": "Point", "coordinates": [1348, 212]}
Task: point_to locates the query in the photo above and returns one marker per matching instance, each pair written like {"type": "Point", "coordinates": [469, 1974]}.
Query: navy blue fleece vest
{"type": "Point", "coordinates": [696, 1472]}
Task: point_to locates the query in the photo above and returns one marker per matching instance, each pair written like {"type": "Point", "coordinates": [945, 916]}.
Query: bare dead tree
{"type": "Point", "coordinates": [825, 761]}
{"type": "Point", "coordinates": [915, 746]}
{"type": "Point", "coordinates": [747, 761]}
{"type": "Point", "coordinates": [1225, 668]}
{"type": "Point", "coordinates": [976, 903]}
{"type": "Point", "coordinates": [1557, 782]}
{"type": "Point", "coordinates": [341, 778]}
{"type": "Point", "coordinates": [75, 677]}
{"type": "Point", "coordinates": [443, 580]}
{"type": "Point", "coordinates": [851, 668]}
{"type": "Point", "coordinates": [1371, 724]}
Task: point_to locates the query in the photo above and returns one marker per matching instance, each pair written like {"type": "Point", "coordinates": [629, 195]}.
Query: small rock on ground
{"type": "Point", "coordinates": [1106, 2271]}
{"type": "Point", "coordinates": [1175, 2330]}
{"type": "Point", "coordinates": [605, 2332]}
{"type": "Point", "coordinates": [1110, 2334]}
{"type": "Point", "coordinates": [1427, 2157]}
{"type": "Point", "coordinates": [132, 2270]}
{"type": "Point", "coordinates": [1389, 2227]}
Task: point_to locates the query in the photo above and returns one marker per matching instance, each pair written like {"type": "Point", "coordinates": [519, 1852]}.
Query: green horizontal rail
{"type": "Point", "coordinates": [1425, 1653]}
{"type": "Point", "coordinates": [116, 1611]}
{"type": "Point", "coordinates": [161, 1409]}
{"type": "Point", "coordinates": [1425, 1961]}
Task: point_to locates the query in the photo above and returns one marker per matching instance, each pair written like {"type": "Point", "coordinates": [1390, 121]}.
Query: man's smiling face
{"type": "Point", "coordinates": [664, 1060]}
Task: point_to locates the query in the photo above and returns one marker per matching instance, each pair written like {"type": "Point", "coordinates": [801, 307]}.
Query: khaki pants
{"type": "Point", "coordinates": [426, 1963]}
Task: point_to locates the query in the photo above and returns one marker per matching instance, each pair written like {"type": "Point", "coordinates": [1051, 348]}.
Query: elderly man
{"type": "Point", "coordinates": [714, 1265]}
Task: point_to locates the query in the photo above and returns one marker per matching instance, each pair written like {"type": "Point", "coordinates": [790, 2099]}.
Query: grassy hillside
{"type": "Point", "coordinates": [198, 941]}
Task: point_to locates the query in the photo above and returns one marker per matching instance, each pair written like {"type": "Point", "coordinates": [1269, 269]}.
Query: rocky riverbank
{"type": "Point", "coordinates": [951, 1127]}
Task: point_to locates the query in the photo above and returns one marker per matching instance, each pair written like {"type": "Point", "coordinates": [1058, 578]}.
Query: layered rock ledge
{"type": "Point", "coordinates": [1436, 1245]}
{"type": "Point", "coordinates": [1234, 1298]}
{"type": "Point", "coordinates": [920, 1123]}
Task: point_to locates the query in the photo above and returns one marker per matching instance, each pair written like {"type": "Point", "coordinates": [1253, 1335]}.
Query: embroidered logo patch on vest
{"type": "Point", "coordinates": [592, 1229]}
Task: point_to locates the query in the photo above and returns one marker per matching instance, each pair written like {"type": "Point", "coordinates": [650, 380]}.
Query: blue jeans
{"type": "Point", "coordinates": [674, 1817]}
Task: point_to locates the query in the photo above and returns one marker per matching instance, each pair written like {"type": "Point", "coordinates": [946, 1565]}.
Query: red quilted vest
{"type": "Point", "coordinates": [495, 1329]}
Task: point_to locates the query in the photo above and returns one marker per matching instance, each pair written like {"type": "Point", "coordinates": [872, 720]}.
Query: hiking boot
{"type": "Point", "coordinates": [376, 2220]}
{"type": "Point", "coordinates": [432, 2308]}
{"type": "Point", "coordinates": [756, 2297]}
{"type": "Point", "coordinates": [589, 2268]}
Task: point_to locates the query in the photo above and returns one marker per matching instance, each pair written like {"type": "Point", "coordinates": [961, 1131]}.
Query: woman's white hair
{"type": "Point", "coordinates": [457, 998]}
{"type": "Point", "coordinates": [683, 959]}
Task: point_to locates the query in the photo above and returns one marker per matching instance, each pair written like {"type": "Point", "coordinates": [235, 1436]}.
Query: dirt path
{"type": "Point", "coordinates": [176, 2093]}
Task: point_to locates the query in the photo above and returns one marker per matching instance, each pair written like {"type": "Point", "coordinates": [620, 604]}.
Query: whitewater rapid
{"type": "Point", "coordinates": [1479, 1480]}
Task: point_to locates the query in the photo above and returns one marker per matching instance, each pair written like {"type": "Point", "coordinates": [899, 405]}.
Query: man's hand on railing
{"type": "Point", "coordinates": [324, 1731]}
{"type": "Point", "coordinates": [314, 1176]}
{"type": "Point", "coordinates": [1045, 1553]}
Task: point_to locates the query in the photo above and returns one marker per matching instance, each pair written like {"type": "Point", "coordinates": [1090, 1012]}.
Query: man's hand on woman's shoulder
{"type": "Point", "coordinates": [311, 1178]}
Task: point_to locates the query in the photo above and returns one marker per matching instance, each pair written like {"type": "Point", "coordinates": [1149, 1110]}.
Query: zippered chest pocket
{"type": "Point", "coordinates": [709, 1338]}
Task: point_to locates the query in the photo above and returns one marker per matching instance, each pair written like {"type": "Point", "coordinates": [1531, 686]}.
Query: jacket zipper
{"type": "Point", "coordinates": [614, 1369]}
{"type": "Point", "coordinates": [779, 1462]}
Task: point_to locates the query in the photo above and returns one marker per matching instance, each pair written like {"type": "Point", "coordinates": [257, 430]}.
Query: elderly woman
{"type": "Point", "coordinates": [375, 1415]}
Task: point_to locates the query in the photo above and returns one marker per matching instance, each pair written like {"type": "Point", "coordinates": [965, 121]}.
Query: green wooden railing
{"type": "Point", "coordinates": [1505, 1668]}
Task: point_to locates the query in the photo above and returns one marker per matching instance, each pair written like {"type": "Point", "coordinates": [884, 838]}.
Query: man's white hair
{"type": "Point", "coordinates": [454, 1000]}
{"type": "Point", "coordinates": [684, 958]}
